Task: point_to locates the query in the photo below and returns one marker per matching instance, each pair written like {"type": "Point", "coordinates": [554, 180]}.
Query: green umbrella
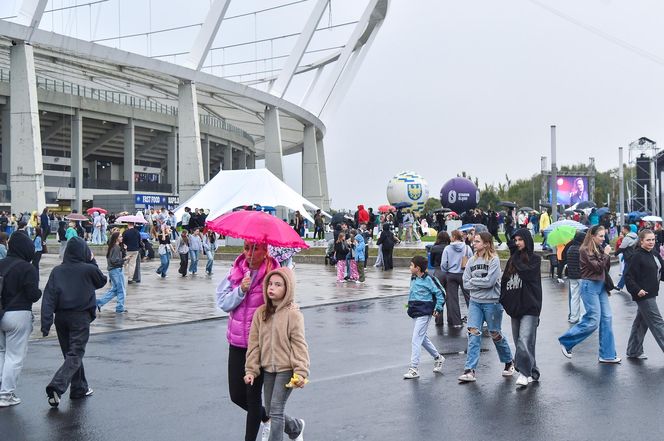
{"type": "Point", "coordinates": [561, 235]}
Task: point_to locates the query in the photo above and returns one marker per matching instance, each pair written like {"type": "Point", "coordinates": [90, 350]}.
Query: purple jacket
{"type": "Point", "coordinates": [241, 306]}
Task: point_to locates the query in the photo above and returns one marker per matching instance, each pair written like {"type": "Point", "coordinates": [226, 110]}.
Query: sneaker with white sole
{"type": "Point", "coordinates": [638, 357]}
{"type": "Point", "coordinates": [53, 398]}
{"type": "Point", "coordinates": [9, 400]}
{"type": "Point", "coordinates": [438, 364]}
{"type": "Point", "coordinates": [265, 430]}
{"type": "Point", "coordinates": [412, 373]}
{"type": "Point", "coordinates": [467, 376]}
{"type": "Point", "coordinates": [610, 360]}
{"type": "Point", "coordinates": [522, 380]}
{"type": "Point", "coordinates": [508, 371]}
{"type": "Point", "coordinates": [567, 353]}
{"type": "Point", "coordinates": [300, 437]}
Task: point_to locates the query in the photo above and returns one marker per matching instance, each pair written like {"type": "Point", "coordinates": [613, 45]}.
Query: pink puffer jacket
{"type": "Point", "coordinates": [239, 320]}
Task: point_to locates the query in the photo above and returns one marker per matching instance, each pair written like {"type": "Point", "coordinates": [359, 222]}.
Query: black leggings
{"type": "Point", "coordinates": [247, 397]}
{"type": "Point", "coordinates": [184, 260]}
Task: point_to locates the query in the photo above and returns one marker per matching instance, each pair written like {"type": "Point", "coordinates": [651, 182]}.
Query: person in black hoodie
{"type": "Point", "coordinates": [570, 256]}
{"type": "Point", "coordinates": [521, 297]}
{"type": "Point", "coordinates": [20, 290]}
{"type": "Point", "coordinates": [70, 294]}
{"type": "Point", "coordinates": [643, 277]}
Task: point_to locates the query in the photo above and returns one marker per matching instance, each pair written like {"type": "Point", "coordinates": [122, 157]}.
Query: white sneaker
{"type": "Point", "coordinates": [610, 360]}
{"type": "Point", "coordinates": [438, 364]}
{"type": "Point", "coordinates": [522, 380]}
{"type": "Point", "coordinates": [265, 431]}
{"type": "Point", "coordinates": [638, 357]}
{"type": "Point", "coordinates": [300, 437]}
{"type": "Point", "coordinates": [565, 352]}
{"type": "Point", "coordinates": [9, 400]}
{"type": "Point", "coordinates": [560, 280]}
{"type": "Point", "coordinates": [467, 376]}
{"type": "Point", "coordinates": [509, 369]}
{"type": "Point", "coordinates": [412, 373]}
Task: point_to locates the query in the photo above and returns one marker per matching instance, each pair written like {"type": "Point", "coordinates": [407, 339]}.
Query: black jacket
{"type": "Point", "coordinates": [642, 274]}
{"type": "Point", "coordinates": [341, 251]}
{"type": "Point", "coordinates": [571, 256]}
{"type": "Point", "coordinates": [72, 284]}
{"type": "Point", "coordinates": [436, 253]}
{"type": "Point", "coordinates": [21, 283]}
{"type": "Point", "coordinates": [521, 284]}
{"type": "Point", "coordinates": [386, 239]}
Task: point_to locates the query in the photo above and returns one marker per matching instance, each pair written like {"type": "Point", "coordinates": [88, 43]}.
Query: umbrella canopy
{"type": "Point", "coordinates": [586, 204]}
{"type": "Point", "coordinates": [561, 235]}
{"type": "Point", "coordinates": [466, 227]}
{"type": "Point", "coordinates": [442, 210]}
{"type": "Point", "coordinates": [508, 204]}
{"type": "Point", "coordinates": [131, 219]}
{"type": "Point", "coordinates": [338, 218]}
{"type": "Point", "coordinates": [386, 208]}
{"type": "Point", "coordinates": [402, 205]}
{"type": "Point", "coordinates": [528, 209]}
{"type": "Point", "coordinates": [257, 227]}
{"type": "Point", "coordinates": [76, 217]}
{"type": "Point", "coordinates": [282, 254]}
{"type": "Point", "coordinates": [97, 209]}
{"type": "Point", "coordinates": [652, 219]}
{"type": "Point", "coordinates": [602, 211]}
{"type": "Point", "coordinates": [577, 225]}
{"type": "Point", "coordinates": [452, 213]}
{"type": "Point", "coordinates": [480, 228]}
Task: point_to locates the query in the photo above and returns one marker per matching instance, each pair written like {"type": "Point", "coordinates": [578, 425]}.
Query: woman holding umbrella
{"type": "Point", "coordinates": [240, 293]}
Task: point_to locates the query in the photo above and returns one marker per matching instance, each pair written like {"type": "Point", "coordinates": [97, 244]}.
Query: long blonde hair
{"type": "Point", "coordinates": [489, 252]}
{"type": "Point", "coordinates": [589, 244]}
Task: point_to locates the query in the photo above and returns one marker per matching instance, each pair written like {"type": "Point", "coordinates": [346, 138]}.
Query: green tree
{"type": "Point", "coordinates": [431, 204]}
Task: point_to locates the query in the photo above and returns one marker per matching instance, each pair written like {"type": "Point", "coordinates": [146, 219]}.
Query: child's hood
{"type": "Point", "coordinates": [289, 278]}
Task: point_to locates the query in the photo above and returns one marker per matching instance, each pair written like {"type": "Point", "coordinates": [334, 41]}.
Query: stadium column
{"type": "Point", "coordinates": [228, 157]}
{"type": "Point", "coordinates": [6, 141]}
{"type": "Point", "coordinates": [311, 187]}
{"type": "Point", "coordinates": [190, 172]}
{"type": "Point", "coordinates": [251, 160]}
{"type": "Point", "coordinates": [205, 146]}
{"type": "Point", "coordinates": [129, 155]}
{"type": "Point", "coordinates": [243, 159]}
{"type": "Point", "coordinates": [273, 150]}
{"type": "Point", "coordinates": [172, 160]}
{"type": "Point", "coordinates": [323, 175]}
{"type": "Point", "coordinates": [77, 159]}
{"type": "Point", "coordinates": [27, 170]}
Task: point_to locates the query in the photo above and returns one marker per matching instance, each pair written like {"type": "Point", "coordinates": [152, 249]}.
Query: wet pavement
{"type": "Point", "coordinates": [169, 382]}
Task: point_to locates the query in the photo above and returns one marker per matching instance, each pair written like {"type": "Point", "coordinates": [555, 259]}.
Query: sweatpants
{"type": "Point", "coordinates": [275, 405]}
{"type": "Point", "coordinates": [15, 329]}
{"type": "Point", "coordinates": [647, 318]}
{"type": "Point", "coordinates": [421, 339]}
{"type": "Point", "coordinates": [73, 329]}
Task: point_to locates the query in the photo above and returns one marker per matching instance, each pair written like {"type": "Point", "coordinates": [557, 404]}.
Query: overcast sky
{"type": "Point", "coordinates": [448, 85]}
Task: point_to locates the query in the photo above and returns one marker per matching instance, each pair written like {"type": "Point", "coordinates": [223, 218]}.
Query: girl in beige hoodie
{"type": "Point", "coordinates": [278, 351]}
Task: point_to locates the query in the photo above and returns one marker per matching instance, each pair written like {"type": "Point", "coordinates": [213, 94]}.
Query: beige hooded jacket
{"type": "Point", "coordinates": [278, 344]}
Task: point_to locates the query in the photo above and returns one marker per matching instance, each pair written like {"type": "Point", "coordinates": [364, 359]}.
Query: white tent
{"type": "Point", "coordinates": [234, 188]}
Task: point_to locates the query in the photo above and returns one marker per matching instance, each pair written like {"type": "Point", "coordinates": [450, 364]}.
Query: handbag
{"type": "Point", "coordinates": [608, 283]}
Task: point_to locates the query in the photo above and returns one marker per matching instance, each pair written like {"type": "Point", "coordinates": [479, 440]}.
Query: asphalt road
{"type": "Point", "coordinates": [169, 383]}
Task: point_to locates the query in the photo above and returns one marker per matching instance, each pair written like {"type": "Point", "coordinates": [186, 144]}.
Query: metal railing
{"type": "Point", "coordinates": [125, 99]}
{"type": "Point", "coordinates": [153, 187]}
{"type": "Point", "coordinates": [106, 184]}
{"type": "Point", "coordinates": [59, 181]}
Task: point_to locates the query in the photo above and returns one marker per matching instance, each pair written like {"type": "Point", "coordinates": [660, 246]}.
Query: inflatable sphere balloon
{"type": "Point", "coordinates": [408, 188]}
{"type": "Point", "coordinates": [459, 194]}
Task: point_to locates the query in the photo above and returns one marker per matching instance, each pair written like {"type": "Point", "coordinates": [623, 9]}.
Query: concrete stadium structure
{"type": "Point", "coordinates": [65, 139]}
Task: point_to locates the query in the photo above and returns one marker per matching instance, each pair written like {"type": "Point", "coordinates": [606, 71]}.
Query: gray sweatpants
{"type": "Point", "coordinates": [275, 396]}
{"type": "Point", "coordinates": [15, 329]}
{"type": "Point", "coordinates": [647, 318]}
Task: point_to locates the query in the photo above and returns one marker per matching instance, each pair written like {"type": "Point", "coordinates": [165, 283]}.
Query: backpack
{"type": "Point", "coordinates": [2, 286]}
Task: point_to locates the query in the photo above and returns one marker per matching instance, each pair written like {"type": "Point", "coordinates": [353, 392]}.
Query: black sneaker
{"type": "Point", "coordinates": [509, 369]}
{"type": "Point", "coordinates": [53, 397]}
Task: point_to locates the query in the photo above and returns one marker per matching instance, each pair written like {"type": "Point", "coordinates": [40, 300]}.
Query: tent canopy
{"type": "Point", "coordinates": [233, 188]}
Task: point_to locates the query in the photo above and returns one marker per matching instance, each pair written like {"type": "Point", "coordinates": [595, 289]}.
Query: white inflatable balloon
{"type": "Point", "coordinates": [408, 187]}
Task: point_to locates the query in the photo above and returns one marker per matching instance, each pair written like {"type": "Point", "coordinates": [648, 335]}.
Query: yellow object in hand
{"type": "Point", "coordinates": [294, 380]}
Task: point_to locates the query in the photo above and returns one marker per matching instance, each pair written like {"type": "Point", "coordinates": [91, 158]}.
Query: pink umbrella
{"type": "Point", "coordinates": [97, 209]}
{"type": "Point", "coordinates": [76, 217]}
{"type": "Point", "coordinates": [386, 208]}
{"type": "Point", "coordinates": [257, 227]}
{"type": "Point", "coordinates": [131, 219]}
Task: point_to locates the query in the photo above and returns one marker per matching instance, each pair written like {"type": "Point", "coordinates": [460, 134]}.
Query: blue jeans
{"type": "Point", "coordinates": [420, 338]}
{"type": "Point", "coordinates": [117, 290]}
{"type": "Point", "coordinates": [492, 314]}
{"type": "Point", "coordinates": [598, 314]}
{"type": "Point", "coordinates": [621, 283]}
{"type": "Point", "coordinates": [193, 261]}
{"type": "Point", "coordinates": [210, 261]}
{"type": "Point", "coordinates": [165, 261]}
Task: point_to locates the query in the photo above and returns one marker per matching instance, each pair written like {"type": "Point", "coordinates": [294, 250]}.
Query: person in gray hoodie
{"type": "Point", "coordinates": [626, 248]}
{"type": "Point", "coordinates": [452, 263]}
{"type": "Point", "coordinates": [482, 278]}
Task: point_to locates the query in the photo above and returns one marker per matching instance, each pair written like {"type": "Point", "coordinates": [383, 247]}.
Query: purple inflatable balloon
{"type": "Point", "coordinates": [459, 194]}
